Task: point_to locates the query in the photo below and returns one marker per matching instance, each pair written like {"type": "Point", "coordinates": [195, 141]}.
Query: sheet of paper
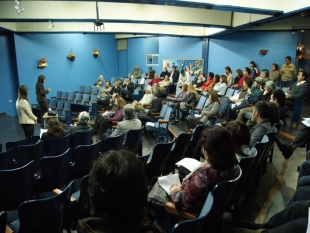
{"type": "Point", "coordinates": [308, 227]}
{"type": "Point", "coordinates": [166, 182]}
{"type": "Point", "coordinates": [150, 124]}
{"type": "Point", "coordinates": [188, 163]}
{"type": "Point", "coordinates": [306, 122]}
{"type": "Point", "coordinates": [198, 115]}
{"type": "Point", "coordinates": [42, 131]}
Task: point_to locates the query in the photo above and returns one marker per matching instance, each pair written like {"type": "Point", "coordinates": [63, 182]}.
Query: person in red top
{"type": "Point", "coordinates": [156, 79]}
{"type": "Point", "coordinates": [246, 74]}
{"type": "Point", "coordinates": [209, 82]}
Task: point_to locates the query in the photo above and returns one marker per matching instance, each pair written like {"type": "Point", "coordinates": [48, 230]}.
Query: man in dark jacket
{"type": "Point", "coordinates": [127, 89]}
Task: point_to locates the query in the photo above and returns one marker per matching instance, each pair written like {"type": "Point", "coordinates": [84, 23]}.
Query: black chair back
{"type": "Point", "coordinates": [82, 138]}
{"type": "Point", "coordinates": [30, 152]}
{"type": "Point", "coordinates": [133, 140]}
{"type": "Point", "coordinates": [178, 152]}
{"type": "Point", "coordinates": [113, 143]}
{"type": "Point", "coordinates": [54, 172]}
{"type": "Point", "coordinates": [84, 157]}
{"type": "Point", "coordinates": [14, 145]}
{"type": "Point", "coordinates": [3, 217]}
{"type": "Point", "coordinates": [158, 158]}
{"type": "Point", "coordinates": [16, 186]}
{"type": "Point", "coordinates": [6, 160]}
{"type": "Point", "coordinates": [57, 146]}
{"type": "Point", "coordinates": [192, 147]}
{"type": "Point", "coordinates": [44, 215]}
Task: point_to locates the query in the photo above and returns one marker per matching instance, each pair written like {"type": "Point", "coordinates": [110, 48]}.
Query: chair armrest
{"type": "Point", "coordinates": [58, 191]}
{"type": "Point", "coordinates": [86, 101]}
{"type": "Point", "coordinates": [78, 100]}
{"type": "Point", "coordinates": [88, 92]}
{"type": "Point", "coordinates": [8, 229]}
{"type": "Point", "coordinates": [159, 117]}
{"type": "Point", "coordinates": [60, 109]}
{"type": "Point", "coordinates": [171, 95]}
{"type": "Point", "coordinates": [115, 122]}
{"type": "Point", "coordinates": [53, 96]}
{"type": "Point", "coordinates": [191, 130]}
{"type": "Point", "coordinates": [93, 102]}
{"type": "Point", "coordinates": [67, 110]}
{"type": "Point", "coordinates": [170, 207]}
{"type": "Point", "coordinates": [163, 121]}
{"type": "Point", "coordinates": [155, 113]}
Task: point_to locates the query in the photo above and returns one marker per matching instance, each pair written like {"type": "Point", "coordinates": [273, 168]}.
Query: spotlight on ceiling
{"type": "Point", "coordinates": [51, 25]}
{"type": "Point", "coordinates": [18, 7]}
{"type": "Point", "coordinates": [98, 25]}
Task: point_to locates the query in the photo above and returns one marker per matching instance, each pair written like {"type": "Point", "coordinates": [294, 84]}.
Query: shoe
{"type": "Point", "coordinates": [172, 117]}
{"type": "Point", "coordinates": [220, 115]}
{"type": "Point", "coordinates": [224, 123]}
{"type": "Point", "coordinates": [249, 225]}
{"type": "Point", "coordinates": [175, 122]}
{"type": "Point", "coordinates": [287, 149]}
{"type": "Point", "coordinates": [244, 230]}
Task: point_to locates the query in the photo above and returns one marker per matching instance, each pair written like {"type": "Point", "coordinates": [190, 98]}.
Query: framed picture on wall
{"type": "Point", "coordinates": [193, 66]}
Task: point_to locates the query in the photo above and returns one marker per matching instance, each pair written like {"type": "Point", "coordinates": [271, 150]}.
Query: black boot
{"type": "Point", "coordinates": [287, 149]}
{"type": "Point", "coordinates": [176, 120]}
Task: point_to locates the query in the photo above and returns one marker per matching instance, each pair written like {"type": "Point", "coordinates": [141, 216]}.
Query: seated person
{"type": "Point", "coordinates": [239, 75]}
{"type": "Point", "coordinates": [100, 81]}
{"type": "Point", "coordinates": [246, 74]}
{"type": "Point", "coordinates": [82, 124]}
{"type": "Point", "coordinates": [228, 74]}
{"type": "Point", "coordinates": [146, 99]}
{"type": "Point", "coordinates": [259, 123]}
{"type": "Point", "coordinates": [104, 123]}
{"type": "Point", "coordinates": [265, 75]}
{"type": "Point", "coordinates": [116, 88]}
{"type": "Point", "coordinates": [215, 81]}
{"type": "Point", "coordinates": [239, 97]}
{"type": "Point", "coordinates": [220, 166]}
{"type": "Point", "coordinates": [184, 78]}
{"type": "Point", "coordinates": [268, 88]}
{"type": "Point", "coordinates": [130, 122]}
{"type": "Point", "coordinates": [54, 130]}
{"type": "Point", "coordinates": [104, 98]}
{"type": "Point", "coordinates": [221, 86]}
{"type": "Point", "coordinates": [127, 88]}
{"type": "Point", "coordinates": [155, 80]}
{"type": "Point", "coordinates": [296, 91]}
{"type": "Point", "coordinates": [200, 80]}
{"type": "Point", "coordinates": [136, 73]}
{"type": "Point", "coordinates": [155, 107]}
{"type": "Point", "coordinates": [211, 109]}
{"type": "Point", "coordinates": [253, 94]}
{"type": "Point", "coordinates": [241, 137]}
{"type": "Point", "coordinates": [164, 73]}
{"type": "Point", "coordinates": [150, 74]}
{"type": "Point", "coordinates": [278, 97]}
{"type": "Point", "coordinates": [177, 100]}
{"type": "Point", "coordinates": [191, 98]}
{"type": "Point", "coordinates": [117, 196]}
{"type": "Point", "coordinates": [162, 86]}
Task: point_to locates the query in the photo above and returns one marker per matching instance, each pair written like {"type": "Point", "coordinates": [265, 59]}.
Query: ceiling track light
{"type": "Point", "coordinates": [18, 7]}
{"type": "Point", "coordinates": [98, 26]}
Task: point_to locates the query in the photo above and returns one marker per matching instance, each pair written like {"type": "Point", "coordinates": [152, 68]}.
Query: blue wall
{"type": "Point", "coordinates": [238, 49]}
{"type": "Point", "coordinates": [8, 75]}
{"type": "Point", "coordinates": [122, 63]}
{"type": "Point", "coordinates": [61, 73]}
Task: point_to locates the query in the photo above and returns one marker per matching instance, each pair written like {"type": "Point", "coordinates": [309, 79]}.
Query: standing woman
{"type": "Point", "coordinates": [25, 115]}
{"type": "Point", "coordinates": [41, 92]}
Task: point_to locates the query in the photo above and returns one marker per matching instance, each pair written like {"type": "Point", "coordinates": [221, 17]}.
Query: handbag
{"type": "Point", "coordinates": [157, 197]}
{"type": "Point", "coordinates": [52, 113]}
{"type": "Point", "coordinates": [183, 107]}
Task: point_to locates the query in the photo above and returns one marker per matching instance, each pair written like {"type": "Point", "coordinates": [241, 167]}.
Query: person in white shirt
{"type": "Point", "coordinates": [146, 99]}
{"type": "Point", "coordinates": [184, 78]}
{"type": "Point", "coordinates": [221, 86]}
{"type": "Point", "coordinates": [230, 78]}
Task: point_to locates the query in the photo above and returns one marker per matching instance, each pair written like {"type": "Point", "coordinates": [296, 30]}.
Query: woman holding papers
{"type": "Point", "coordinates": [220, 165]}
{"type": "Point", "coordinates": [211, 109]}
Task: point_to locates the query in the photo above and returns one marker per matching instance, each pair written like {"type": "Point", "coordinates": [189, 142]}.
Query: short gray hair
{"type": "Point", "coordinates": [129, 112]}
{"type": "Point", "coordinates": [84, 118]}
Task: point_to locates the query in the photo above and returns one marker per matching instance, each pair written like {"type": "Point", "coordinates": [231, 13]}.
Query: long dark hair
{"type": "Point", "coordinates": [23, 92]}
{"type": "Point", "coordinates": [240, 134]}
{"type": "Point", "coordinates": [41, 79]}
{"type": "Point", "coordinates": [118, 190]}
{"type": "Point", "coordinates": [219, 145]}
{"type": "Point", "coordinates": [55, 129]}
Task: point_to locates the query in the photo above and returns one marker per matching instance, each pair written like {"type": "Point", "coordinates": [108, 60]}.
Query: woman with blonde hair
{"type": "Point", "coordinates": [25, 116]}
{"type": "Point", "coordinates": [191, 99]}
{"type": "Point", "coordinates": [211, 110]}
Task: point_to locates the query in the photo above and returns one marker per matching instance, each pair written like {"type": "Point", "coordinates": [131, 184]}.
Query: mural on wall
{"type": "Point", "coordinates": [193, 66]}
